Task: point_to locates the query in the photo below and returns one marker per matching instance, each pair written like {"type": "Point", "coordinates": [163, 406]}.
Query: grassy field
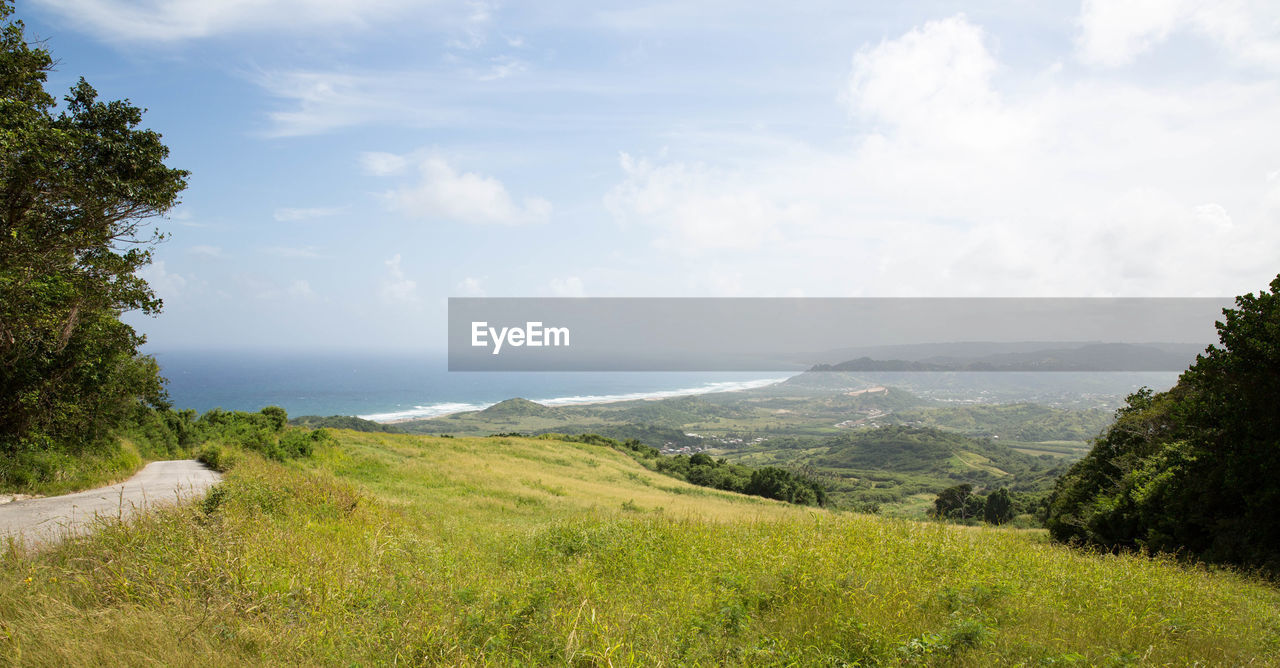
{"type": "Point", "coordinates": [1021, 446]}
{"type": "Point", "coordinates": [399, 549]}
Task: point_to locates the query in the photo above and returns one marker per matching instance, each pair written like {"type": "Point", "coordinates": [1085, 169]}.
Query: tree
{"type": "Point", "coordinates": [77, 185]}
{"type": "Point", "coordinates": [958, 502]}
{"type": "Point", "coordinates": [775, 483]}
{"type": "Point", "coordinates": [1192, 470]}
{"type": "Point", "coordinates": [701, 459]}
{"type": "Point", "coordinates": [998, 508]}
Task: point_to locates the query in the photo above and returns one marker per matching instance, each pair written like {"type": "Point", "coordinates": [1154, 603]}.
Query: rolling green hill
{"type": "Point", "coordinates": [897, 449]}
{"type": "Point", "coordinates": [519, 408]}
{"type": "Point", "coordinates": [389, 549]}
{"type": "Point", "coordinates": [342, 422]}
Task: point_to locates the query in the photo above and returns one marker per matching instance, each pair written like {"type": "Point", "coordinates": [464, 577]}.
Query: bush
{"type": "Point", "coordinates": [218, 457]}
{"type": "Point", "coordinates": [1192, 470]}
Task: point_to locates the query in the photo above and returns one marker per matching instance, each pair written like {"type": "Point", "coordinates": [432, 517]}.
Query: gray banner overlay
{"type": "Point", "coordinates": [842, 334]}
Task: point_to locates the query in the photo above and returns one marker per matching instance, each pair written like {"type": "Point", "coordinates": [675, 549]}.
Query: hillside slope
{"type": "Point", "coordinates": [388, 548]}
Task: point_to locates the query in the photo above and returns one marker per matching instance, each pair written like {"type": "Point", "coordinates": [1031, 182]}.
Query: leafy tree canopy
{"type": "Point", "coordinates": [1192, 470]}
{"type": "Point", "coordinates": [77, 184]}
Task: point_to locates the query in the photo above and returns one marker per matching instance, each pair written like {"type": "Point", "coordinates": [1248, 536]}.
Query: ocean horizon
{"type": "Point", "coordinates": [396, 387]}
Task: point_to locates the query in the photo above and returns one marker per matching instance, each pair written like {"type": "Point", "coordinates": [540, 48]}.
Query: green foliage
{"type": "Point", "coordinates": [675, 411]}
{"type": "Point", "coordinates": [896, 448]}
{"type": "Point", "coordinates": [225, 436]}
{"type": "Point", "coordinates": [772, 482]}
{"type": "Point", "coordinates": [218, 456]}
{"type": "Point", "coordinates": [265, 432]}
{"type": "Point", "coordinates": [518, 407]}
{"type": "Point", "coordinates": [1019, 422]}
{"type": "Point", "coordinates": [50, 472]}
{"type": "Point", "coordinates": [958, 503]}
{"type": "Point", "coordinates": [343, 422]}
{"type": "Point", "coordinates": [998, 507]}
{"type": "Point", "coordinates": [769, 482]}
{"type": "Point", "coordinates": [1191, 470]}
{"type": "Point", "coordinates": [76, 185]}
{"type": "Point", "coordinates": [218, 438]}
{"type": "Point", "coordinates": [893, 464]}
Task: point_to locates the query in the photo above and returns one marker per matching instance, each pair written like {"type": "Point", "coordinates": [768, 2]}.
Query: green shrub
{"type": "Point", "coordinates": [218, 457]}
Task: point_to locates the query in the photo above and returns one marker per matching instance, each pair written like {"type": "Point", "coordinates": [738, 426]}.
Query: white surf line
{"type": "Point", "coordinates": [450, 408]}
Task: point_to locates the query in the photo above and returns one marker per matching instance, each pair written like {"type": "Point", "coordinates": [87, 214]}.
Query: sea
{"type": "Point", "coordinates": [392, 387]}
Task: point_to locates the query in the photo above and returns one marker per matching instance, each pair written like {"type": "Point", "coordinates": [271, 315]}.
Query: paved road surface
{"type": "Point", "coordinates": [49, 519]}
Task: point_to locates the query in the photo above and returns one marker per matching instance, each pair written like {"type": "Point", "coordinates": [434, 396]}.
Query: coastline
{"type": "Point", "coordinates": [452, 408]}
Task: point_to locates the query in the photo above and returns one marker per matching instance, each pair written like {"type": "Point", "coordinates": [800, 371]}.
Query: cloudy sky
{"type": "Point", "coordinates": [356, 162]}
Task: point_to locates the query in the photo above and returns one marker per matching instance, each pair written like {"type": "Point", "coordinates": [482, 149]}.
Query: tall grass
{"type": "Point", "coordinates": [389, 549]}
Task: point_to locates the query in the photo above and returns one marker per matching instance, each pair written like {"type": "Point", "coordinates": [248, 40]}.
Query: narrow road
{"type": "Point", "coordinates": [50, 519]}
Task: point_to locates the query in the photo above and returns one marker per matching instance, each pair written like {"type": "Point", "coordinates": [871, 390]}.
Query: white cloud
{"type": "Point", "coordinates": [501, 67]}
{"type": "Point", "coordinates": [266, 290]}
{"type": "Point", "coordinates": [383, 164]}
{"type": "Point", "coordinates": [568, 286]}
{"type": "Point", "coordinates": [322, 101]}
{"type": "Point", "coordinates": [300, 289]}
{"type": "Point", "coordinates": [205, 251]}
{"type": "Point", "coordinates": [470, 287]}
{"type": "Point", "coordinates": [1116, 32]}
{"type": "Point", "coordinates": [697, 207]}
{"type": "Point", "coordinates": [964, 179]}
{"type": "Point", "coordinates": [444, 193]}
{"type": "Point", "coordinates": [475, 26]}
{"type": "Point", "coordinates": [286, 214]}
{"type": "Point", "coordinates": [1273, 195]}
{"type": "Point", "coordinates": [175, 20]}
{"type": "Point", "coordinates": [936, 83]}
{"type": "Point", "coordinates": [396, 287]}
{"type": "Point", "coordinates": [166, 284]}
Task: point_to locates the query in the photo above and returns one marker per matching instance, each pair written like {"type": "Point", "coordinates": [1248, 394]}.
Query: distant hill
{"type": "Point", "coordinates": [898, 449]}
{"type": "Point", "coordinates": [674, 411]}
{"type": "Point", "coordinates": [343, 422]}
{"type": "Point", "coordinates": [891, 464]}
{"type": "Point", "coordinates": [519, 407]}
{"type": "Point", "coordinates": [1086, 357]}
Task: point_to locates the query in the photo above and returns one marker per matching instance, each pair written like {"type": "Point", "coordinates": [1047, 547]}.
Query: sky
{"type": "Point", "coordinates": [354, 163]}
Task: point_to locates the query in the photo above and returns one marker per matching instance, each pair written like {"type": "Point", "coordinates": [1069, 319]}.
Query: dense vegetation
{"type": "Point", "coordinates": [959, 503]}
{"type": "Point", "coordinates": [223, 435]}
{"type": "Point", "coordinates": [390, 549]}
{"type": "Point", "coordinates": [76, 186]}
{"type": "Point", "coordinates": [901, 469]}
{"type": "Point", "coordinates": [897, 448]}
{"type": "Point", "coordinates": [1192, 470]}
{"type": "Point", "coordinates": [217, 437]}
{"type": "Point", "coordinates": [343, 422]}
{"type": "Point", "coordinates": [1011, 422]}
